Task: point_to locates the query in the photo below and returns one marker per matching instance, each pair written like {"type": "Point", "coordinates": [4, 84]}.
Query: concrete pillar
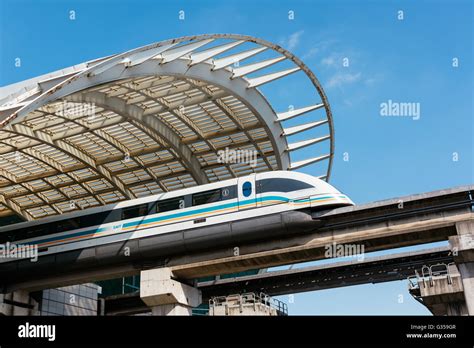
{"type": "Point", "coordinates": [467, 275]}
{"type": "Point", "coordinates": [171, 309]}
{"type": "Point", "coordinates": [245, 304]}
{"type": "Point", "coordinates": [462, 246]}
{"type": "Point", "coordinates": [18, 303]}
{"type": "Point", "coordinates": [22, 297]}
{"type": "Point", "coordinates": [166, 296]}
{"type": "Point", "coordinates": [444, 295]}
{"type": "Point", "coordinates": [453, 294]}
{"type": "Point", "coordinates": [5, 308]}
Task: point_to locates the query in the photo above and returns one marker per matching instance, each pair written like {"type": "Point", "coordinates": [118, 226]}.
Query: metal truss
{"type": "Point", "coordinates": [151, 120]}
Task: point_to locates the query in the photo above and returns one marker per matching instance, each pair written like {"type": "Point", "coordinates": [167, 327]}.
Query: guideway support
{"type": "Point", "coordinates": [166, 296]}
{"type": "Point", "coordinates": [449, 289]}
{"type": "Point", "coordinates": [18, 303]}
{"type": "Point", "coordinates": [462, 246]}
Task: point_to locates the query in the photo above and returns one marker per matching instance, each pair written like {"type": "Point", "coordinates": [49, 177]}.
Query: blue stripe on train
{"type": "Point", "coordinates": [172, 216]}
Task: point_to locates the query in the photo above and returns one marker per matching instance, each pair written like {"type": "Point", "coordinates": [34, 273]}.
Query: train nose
{"type": "Point", "coordinates": [332, 199]}
{"type": "Point", "coordinates": [347, 199]}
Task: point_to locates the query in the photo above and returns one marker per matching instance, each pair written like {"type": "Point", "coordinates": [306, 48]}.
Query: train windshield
{"type": "Point", "coordinates": [281, 185]}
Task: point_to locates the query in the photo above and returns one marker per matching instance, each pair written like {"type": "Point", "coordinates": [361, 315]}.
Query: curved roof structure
{"type": "Point", "coordinates": [149, 120]}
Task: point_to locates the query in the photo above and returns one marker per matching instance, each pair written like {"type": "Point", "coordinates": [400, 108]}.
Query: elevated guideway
{"type": "Point", "coordinates": [414, 220]}
{"type": "Point", "coordinates": [394, 223]}
{"type": "Point", "coordinates": [376, 269]}
{"type": "Point", "coordinates": [411, 220]}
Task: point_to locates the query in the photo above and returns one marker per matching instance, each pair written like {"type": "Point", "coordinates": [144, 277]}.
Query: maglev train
{"type": "Point", "coordinates": [229, 212]}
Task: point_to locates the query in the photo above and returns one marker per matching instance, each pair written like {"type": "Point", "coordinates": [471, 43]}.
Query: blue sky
{"type": "Point", "coordinates": [409, 60]}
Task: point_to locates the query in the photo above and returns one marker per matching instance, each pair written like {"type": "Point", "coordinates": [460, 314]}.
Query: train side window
{"type": "Point", "coordinates": [6, 237]}
{"type": "Point", "coordinates": [39, 231]}
{"type": "Point", "coordinates": [17, 235]}
{"type": "Point", "coordinates": [10, 236]}
{"type": "Point", "coordinates": [229, 192]}
{"type": "Point", "coordinates": [27, 233]}
{"type": "Point", "coordinates": [68, 225]}
{"type": "Point", "coordinates": [94, 219]}
{"type": "Point", "coordinates": [136, 211]}
{"type": "Point", "coordinates": [170, 204]}
{"type": "Point", "coordinates": [207, 197]}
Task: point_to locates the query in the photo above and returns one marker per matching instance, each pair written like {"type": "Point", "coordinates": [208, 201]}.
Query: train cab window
{"type": "Point", "coordinates": [207, 197]}
{"type": "Point", "coordinates": [136, 211]}
{"type": "Point", "coordinates": [281, 185]}
{"type": "Point", "coordinates": [170, 204]}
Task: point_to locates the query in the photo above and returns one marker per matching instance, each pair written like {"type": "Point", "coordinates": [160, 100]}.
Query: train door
{"type": "Point", "coordinates": [247, 192]}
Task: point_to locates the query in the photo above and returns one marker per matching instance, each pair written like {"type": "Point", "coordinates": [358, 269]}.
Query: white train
{"type": "Point", "coordinates": [226, 212]}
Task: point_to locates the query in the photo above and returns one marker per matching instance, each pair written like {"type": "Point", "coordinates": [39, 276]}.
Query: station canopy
{"type": "Point", "coordinates": [154, 119]}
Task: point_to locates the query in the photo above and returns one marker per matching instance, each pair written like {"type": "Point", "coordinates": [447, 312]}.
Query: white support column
{"type": "Point", "coordinates": [166, 296]}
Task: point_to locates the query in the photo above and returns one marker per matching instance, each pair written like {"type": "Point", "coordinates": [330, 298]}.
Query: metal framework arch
{"type": "Point", "coordinates": [172, 105]}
